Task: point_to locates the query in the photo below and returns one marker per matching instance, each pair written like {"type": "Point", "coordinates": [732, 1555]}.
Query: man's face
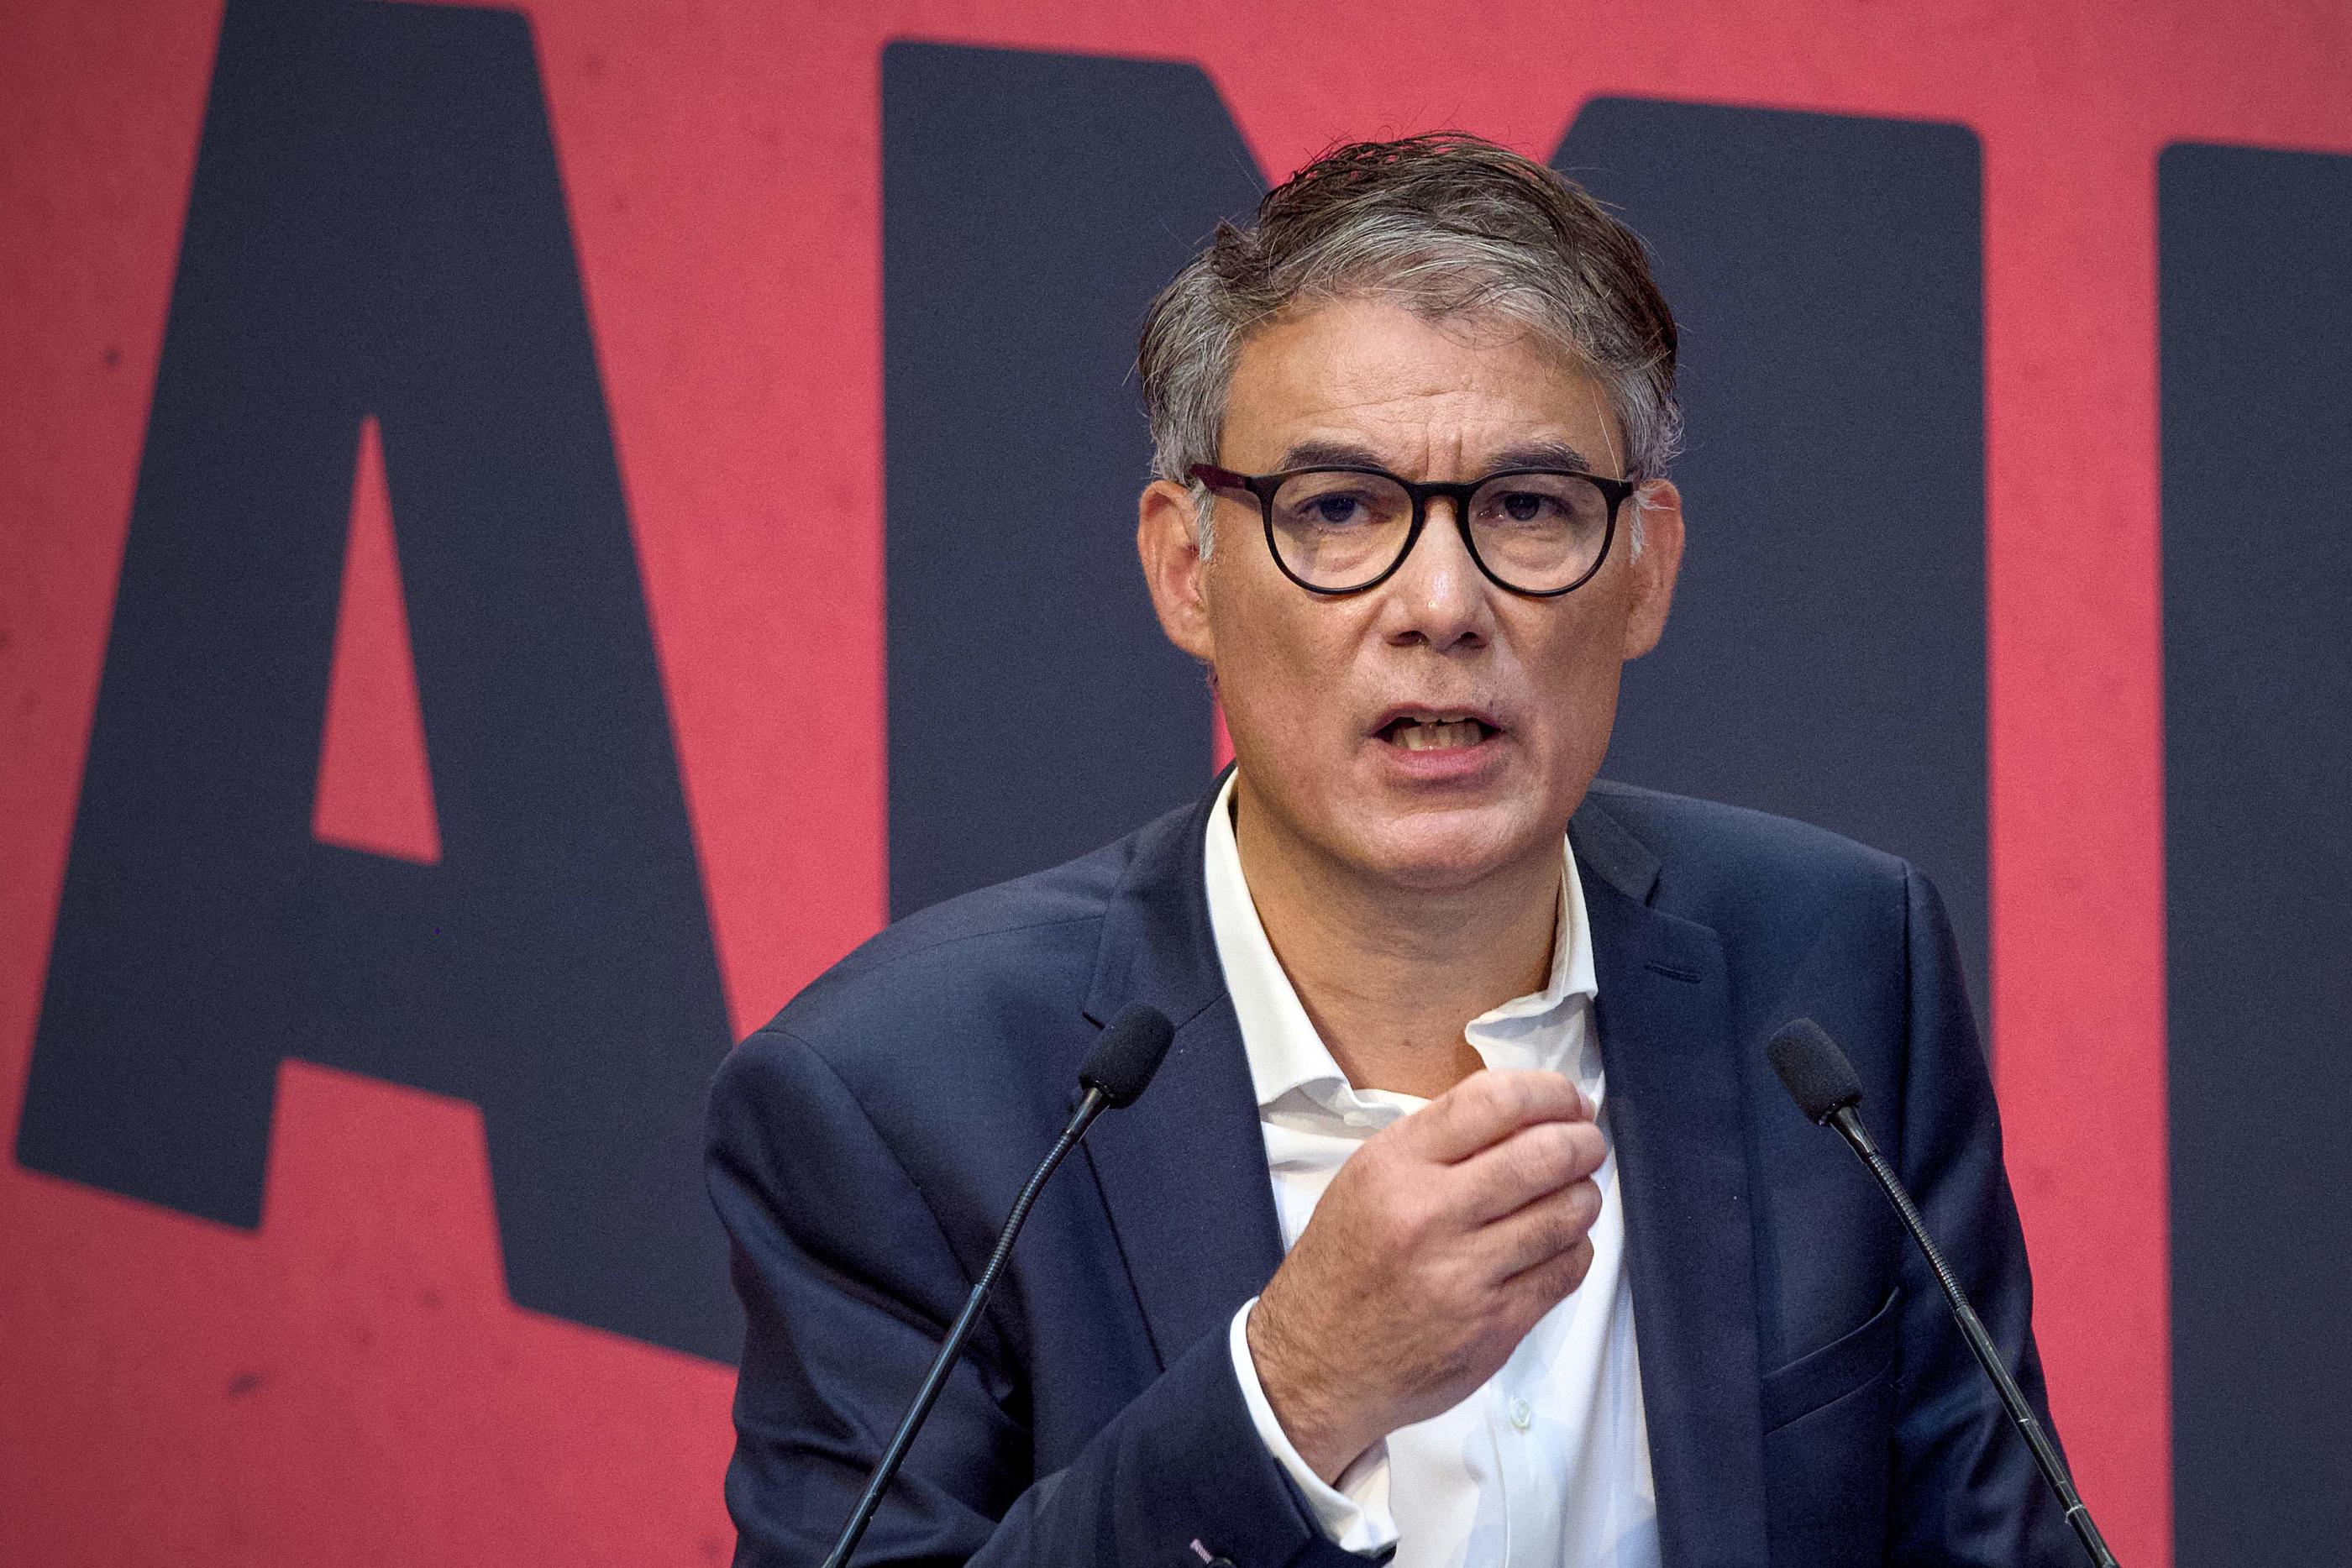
{"type": "Point", "coordinates": [1322, 695]}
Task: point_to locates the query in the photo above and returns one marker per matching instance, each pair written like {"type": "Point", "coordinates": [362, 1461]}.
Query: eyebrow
{"type": "Point", "coordinates": [1349, 454]}
{"type": "Point", "coordinates": [1542, 455]}
{"type": "Point", "coordinates": [1328, 454]}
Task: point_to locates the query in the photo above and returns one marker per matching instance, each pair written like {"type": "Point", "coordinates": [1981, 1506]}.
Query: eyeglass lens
{"type": "Point", "coordinates": [1537, 532]}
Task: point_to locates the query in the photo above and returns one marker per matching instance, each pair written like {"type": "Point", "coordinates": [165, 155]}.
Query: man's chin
{"type": "Point", "coordinates": [1438, 852]}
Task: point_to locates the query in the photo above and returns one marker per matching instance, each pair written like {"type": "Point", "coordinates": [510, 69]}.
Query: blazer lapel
{"type": "Point", "coordinates": [1677, 1114]}
{"type": "Point", "coordinates": [1182, 1170]}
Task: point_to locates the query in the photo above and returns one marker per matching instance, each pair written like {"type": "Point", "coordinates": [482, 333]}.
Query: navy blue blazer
{"type": "Point", "coordinates": [1810, 1404]}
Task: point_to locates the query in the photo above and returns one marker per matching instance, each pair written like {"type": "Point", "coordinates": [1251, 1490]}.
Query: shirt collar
{"type": "Point", "coordinates": [1284, 1052]}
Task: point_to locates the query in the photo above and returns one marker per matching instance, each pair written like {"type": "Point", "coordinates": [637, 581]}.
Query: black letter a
{"type": "Point", "coordinates": [377, 227]}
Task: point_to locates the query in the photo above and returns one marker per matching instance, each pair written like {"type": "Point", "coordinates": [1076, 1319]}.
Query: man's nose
{"type": "Point", "coordinates": [1438, 595]}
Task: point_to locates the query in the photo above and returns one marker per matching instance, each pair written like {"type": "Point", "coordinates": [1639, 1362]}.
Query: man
{"type": "Point", "coordinates": [1464, 1222]}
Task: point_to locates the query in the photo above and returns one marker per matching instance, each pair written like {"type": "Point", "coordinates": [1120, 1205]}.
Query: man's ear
{"type": "Point", "coordinates": [1655, 569]}
{"type": "Point", "coordinates": [1166, 536]}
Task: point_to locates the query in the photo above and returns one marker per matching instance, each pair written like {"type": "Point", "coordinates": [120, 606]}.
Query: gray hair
{"type": "Point", "coordinates": [1446, 224]}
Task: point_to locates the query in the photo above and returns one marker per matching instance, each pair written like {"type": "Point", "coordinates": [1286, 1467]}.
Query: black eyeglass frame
{"type": "Point", "coordinates": [1264, 486]}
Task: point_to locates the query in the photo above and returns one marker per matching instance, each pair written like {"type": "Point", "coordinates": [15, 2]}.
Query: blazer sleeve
{"type": "Point", "coordinates": [1965, 1490]}
{"type": "Point", "coordinates": [849, 1284]}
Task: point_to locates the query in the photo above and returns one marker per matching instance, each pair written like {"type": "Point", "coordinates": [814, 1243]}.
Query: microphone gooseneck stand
{"type": "Point", "coordinates": [1116, 1071]}
{"type": "Point", "coordinates": [1826, 1088]}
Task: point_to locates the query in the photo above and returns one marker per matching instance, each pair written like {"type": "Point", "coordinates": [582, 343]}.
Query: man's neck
{"type": "Point", "coordinates": [1390, 978]}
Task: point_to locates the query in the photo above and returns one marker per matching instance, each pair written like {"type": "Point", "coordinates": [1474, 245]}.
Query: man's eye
{"type": "Point", "coordinates": [1334, 509]}
{"type": "Point", "coordinates": [1526, 506]}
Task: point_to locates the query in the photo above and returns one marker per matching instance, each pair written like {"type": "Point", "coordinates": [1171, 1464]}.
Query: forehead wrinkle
{"type": "Point", "coordinates": [1419, 434]}
{"type": "Point", "coordinates": [1318, 452]}
{"type": "Point", "coordinates": [1419, 404]}
{"type": "Point", "coordinates": [1427, 402]}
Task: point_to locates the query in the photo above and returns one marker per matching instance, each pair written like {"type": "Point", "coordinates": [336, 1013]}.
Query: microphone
{"type": "Point", "coordinates": [1116, 1071]}
{"type": "Point", "coordinates": [1822, 1082]}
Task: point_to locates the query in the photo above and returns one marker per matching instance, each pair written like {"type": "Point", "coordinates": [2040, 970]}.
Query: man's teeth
{"type": "Point", "coordinates": [1427, 735]}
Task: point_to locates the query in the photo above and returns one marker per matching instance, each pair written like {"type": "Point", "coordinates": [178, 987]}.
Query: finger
{"type": "Point", "coordinates": [1543, 1286]}
{"type": "Point", "coordinates": [1524, 1166]}
{"type": "Point", "coordinates": [1488, 1106]}
{"type": "Point", "coordinates": [1557, 1223]}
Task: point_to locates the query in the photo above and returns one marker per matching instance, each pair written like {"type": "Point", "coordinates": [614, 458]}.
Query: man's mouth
{"type": "Point", "coordinates": [1434, 731]}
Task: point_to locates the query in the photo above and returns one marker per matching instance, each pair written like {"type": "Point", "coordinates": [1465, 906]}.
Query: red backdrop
{"type": "Point", "coordinates": [350, 1382]}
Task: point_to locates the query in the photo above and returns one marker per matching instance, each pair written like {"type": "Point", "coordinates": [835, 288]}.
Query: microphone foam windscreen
{"type": "Point", "coordinates": [1129, 1052]}
{"type": "Point", "coordinates": [1813, 1070]}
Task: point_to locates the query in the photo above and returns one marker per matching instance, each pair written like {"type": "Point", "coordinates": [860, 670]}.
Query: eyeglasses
{"type": "Point", "coordinates": [1540, 532]}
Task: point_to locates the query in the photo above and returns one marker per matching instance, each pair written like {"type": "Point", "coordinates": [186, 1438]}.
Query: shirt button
{"type": "Point", "coordinates": [1523, 1416]}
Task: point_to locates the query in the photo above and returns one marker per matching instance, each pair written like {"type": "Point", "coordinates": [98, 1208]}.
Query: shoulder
{"type": "Point", "coordinates": [964, 1005]}
{"type": "Point", "coordinates": [987, 938]}
{"type": "Point", "coordinates": [1812, 924]}
{"type": "Point", "coordinates": [1729, 867]}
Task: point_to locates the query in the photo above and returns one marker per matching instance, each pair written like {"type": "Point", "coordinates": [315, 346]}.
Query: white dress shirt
{"type": "Point", "coordinates": [1548, 1461]}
